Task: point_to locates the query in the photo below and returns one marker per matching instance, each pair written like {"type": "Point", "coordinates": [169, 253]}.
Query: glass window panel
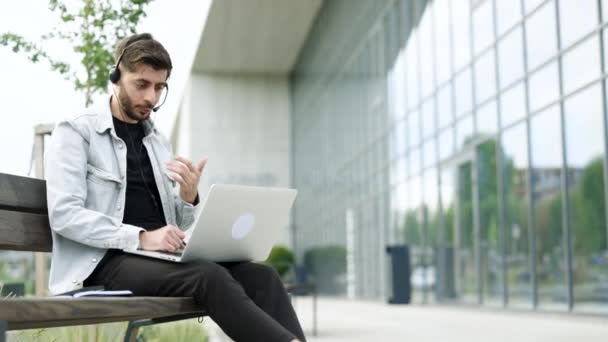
{"type": "Point", "coordinates": [512, 105]}
{"type": "Point", "coordinates": [485, 77]}
{"type": "Point", "coordinates": [508, 13]}
{"type": "Point", "coordinates": [444, 105]}
{"type": "Point", "coordinates": [413, 231]}
{"type": "Point", "coordinates": [544, 87]}
{"type": "Point", "coordinates": [546, 130]}
{"type": "Point", "coordinates": [483, 26]}
{"type": "Point", "coordinates": [442, 40]}
{"type": "Point", "coordinates": [490, 251]}
{"type": "Point", "coordinates": [487, 121]}
{"type": "Point", "coordinates": [461, 34]}
{"type": "Point", "coordinates": [586, 54]}
{"type": "Point", "coordinates": [585, 166]}
{"type": "Point", "coordinates": [464, 97]}
{"type": "Point", "coordinates": [400, 137]}
{"type": "Point", "coordinates": [430, 154]}
{"type": "Point", "coordinates": [604, 10]}
{"type": "Point", "coordinates": [446, 143]}
{"type": "Point", "coordinates": [414, 161]}
{"type": "Point", "coordinates": [464, 131]}
{"type": "Point", "coordinates": [396, 89]}
{"type": "Point", "coordinates": [529, 5]}
{"type": "Point", "coordinates": [426, 53]}
{"type": "Point", "coordinates": [576, 18]}
{"type": "Point", "coordinates": [414, 128]}
{"type": "Point", "coordinates": [541, 35]}
{"type": "Point", "coordinates": [511, 57]}
{"type": "Point", "coordinates": [412, 69]}
{"type": "Point", "coordinates": [515, 164]}
{"type": "Point", "coordinates": [428, 118]}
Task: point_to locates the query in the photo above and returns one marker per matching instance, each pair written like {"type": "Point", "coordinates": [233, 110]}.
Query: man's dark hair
{"type": "Point", "coordinates": [142, 49]}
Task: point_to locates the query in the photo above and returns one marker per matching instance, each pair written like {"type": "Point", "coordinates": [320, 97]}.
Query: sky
{"type": "Point", "coordinates": [32, 94]}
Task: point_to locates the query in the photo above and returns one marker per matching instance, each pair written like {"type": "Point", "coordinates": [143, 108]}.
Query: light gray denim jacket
{"type": "Point", "coordinates": [85, 167]}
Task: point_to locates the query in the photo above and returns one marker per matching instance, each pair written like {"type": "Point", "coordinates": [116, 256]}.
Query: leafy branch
{"type": "Point", "coordinates": [92, 30]}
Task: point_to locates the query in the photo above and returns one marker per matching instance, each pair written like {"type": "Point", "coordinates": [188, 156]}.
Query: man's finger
{"type": "Point", "coordinates": [182, 170]}
{"type": "Point", "coordinates": [176, 177]}
{"type": "Point", "coordinates": [201, 166]}
{"type": "Point", "coordinates": [187, 162]}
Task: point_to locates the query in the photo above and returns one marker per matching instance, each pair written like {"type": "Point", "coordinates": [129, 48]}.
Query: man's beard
{"type": "Point", "coordinates": [129, 109]}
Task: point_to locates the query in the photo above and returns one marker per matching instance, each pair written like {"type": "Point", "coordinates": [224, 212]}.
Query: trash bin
{"type": "Point", "coordinates": [400, 274]}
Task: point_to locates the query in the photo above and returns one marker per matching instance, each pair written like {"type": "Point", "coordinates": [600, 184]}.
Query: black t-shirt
{"type": "Point", "coordinates": [143, 207]}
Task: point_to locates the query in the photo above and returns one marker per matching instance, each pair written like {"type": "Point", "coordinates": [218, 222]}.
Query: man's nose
{"type": "Point", "coordinates": [150, 96]}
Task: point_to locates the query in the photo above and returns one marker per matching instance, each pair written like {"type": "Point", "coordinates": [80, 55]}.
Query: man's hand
{"type": "Point", "coordinates": [168, 238]}
{"type": "Point", "coordinates": [187, 176]}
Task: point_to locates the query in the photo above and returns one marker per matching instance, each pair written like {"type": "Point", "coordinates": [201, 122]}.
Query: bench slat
{"type": "Point", "coordinates": [27, 313]}
{"type": "Point", "coordinates": [25, 232]}
{"type": "Point", "coordinates": [22, 194]}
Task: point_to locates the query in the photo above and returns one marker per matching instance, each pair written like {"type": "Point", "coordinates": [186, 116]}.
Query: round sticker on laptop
{"type": "Point", "coordinates": [243, 226]}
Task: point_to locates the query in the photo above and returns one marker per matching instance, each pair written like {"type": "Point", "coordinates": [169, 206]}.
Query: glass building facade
{"type": "Point", "coordinates": [473, 131]}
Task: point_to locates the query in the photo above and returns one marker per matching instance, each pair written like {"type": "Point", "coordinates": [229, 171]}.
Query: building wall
{"type": "Point", "coordinates": [241, 123]}
{"type": "Point", "coordinates": [432, 122]}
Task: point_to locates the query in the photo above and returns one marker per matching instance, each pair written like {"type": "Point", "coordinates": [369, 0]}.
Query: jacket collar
{"type": "Point", "coordinates": [104, 120]}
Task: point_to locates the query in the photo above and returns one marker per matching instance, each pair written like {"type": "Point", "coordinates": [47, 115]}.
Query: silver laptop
{"type": "Point", "coordinates": [235, 223]}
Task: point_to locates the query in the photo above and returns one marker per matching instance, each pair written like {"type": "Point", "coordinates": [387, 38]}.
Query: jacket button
{"type": "Point", "coordinates": [74, 281]}
{"type": "Point", "coordinates": [94, 260]}
{"type": "Point", "coordinates": [120, 146]}
{"type": "Point", "coordinates": [118, 208]}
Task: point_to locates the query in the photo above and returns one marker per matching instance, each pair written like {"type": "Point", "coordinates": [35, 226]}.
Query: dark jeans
{"type": "Point", "coordinates": [247, 300]}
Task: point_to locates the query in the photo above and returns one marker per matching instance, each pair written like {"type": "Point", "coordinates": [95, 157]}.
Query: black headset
{"type": "Point", "coordinates": [115, 74]}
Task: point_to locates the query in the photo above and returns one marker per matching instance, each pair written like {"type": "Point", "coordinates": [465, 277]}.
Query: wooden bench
{"type": "Point", "coordinates": [24, 226]}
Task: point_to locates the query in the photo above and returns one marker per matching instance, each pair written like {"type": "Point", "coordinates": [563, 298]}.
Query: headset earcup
{"type": "Point", "coordinates": [115, 75]}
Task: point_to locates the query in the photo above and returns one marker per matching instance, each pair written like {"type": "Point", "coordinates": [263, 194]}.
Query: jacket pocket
{"type": "Point", "coordinates": [97, 175]}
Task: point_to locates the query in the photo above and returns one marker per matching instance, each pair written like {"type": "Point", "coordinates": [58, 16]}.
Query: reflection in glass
{"type": "Point", "coordinates": [442, 40]}
{"type": "Point", "coordinates": [445, 288]}
{"type": "Point", "coordinates": [396, 89]}
{"type": "Point", "coordinates": [430, 156]}
{"type": "Point", "coordinates": [446, 143]}
{"type": "Point", "coordinates": [485, 76]}
{"type": "Point", "coordinates": [512, 105]}
{"type": "Point", "coordinates": [426, 52]}
{"type": "Point", "coordinates": [487, 121]}
{"type": "Point", "coordinates": [428, 118]}
{"type": "Point", "coordinates": [464, 131]}
{"type": "Point", "coordinates": [413, 233]}
{"type": "Point", "coordinates": [462, 88]}
{"type": "Point", "coordinates": [414, 128]}
{"type": "Point", "coordinates": [511, 58]}
{"type": "Point", "coordinates": [541, 41]}
{"type": "Point", "coordinates": [546, 130]}
{"type": "Point", "coordinates": [576, 18]}
{"type": "Point", "coordinates": [515, 185]}
{"type": "Point", "coordinates": [586, 54]}
{"type": "Point", "coordinates": [431, 231]}
{"type": "Point", "coordinates": [461, 26]}
{"type": "Point", "coordinates": [414, 161]}
{"type": "Point", "coordinates": [585, 164]}
{"type": "Point", "coordinates": [464, 237]}
{"type": "Point", "coordinates": [444, 105]}
{"type": "Point", "coordinates": [508, 13]}
{"type": "Point", "coordinates": [412, 70]}
{"type": "Point", "coordinates": [489, 230]}
{"type": "Point", "coordinates": [544, 87]}
{"type": "Point", "coordinates": [530, 5]}
{"type": "Point", "coordinates": [483, 26]}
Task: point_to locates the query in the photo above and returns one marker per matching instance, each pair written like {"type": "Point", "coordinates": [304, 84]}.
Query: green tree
{"type": "Point", "coordinates": [281, 259]}
{"type": "Point", "coordinates": [92, 30]}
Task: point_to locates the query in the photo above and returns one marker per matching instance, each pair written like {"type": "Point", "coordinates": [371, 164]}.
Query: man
{"type": "Point", "coordinates": [111, 186]}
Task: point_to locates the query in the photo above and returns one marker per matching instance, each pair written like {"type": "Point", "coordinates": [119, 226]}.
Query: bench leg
{"type": "Point", "coordinates": [3, 329]}
{"type": "Point", "coordinates": [133, 327]}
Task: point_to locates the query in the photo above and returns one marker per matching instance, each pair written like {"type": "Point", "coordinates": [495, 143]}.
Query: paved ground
{"type": "Point", "coordinates": [342, 320]}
